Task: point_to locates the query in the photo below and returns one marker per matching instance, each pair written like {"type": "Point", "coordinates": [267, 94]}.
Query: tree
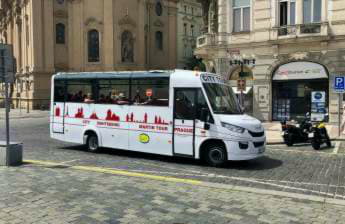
{"type": "Point", "coordinates": [194, 63]}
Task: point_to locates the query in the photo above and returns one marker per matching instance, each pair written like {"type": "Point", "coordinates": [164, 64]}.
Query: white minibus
{"type": "Point", "coordinates": [175, 113]}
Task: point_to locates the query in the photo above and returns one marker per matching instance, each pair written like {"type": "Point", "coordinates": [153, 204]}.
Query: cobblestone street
{"type": "Point", "coordinates": [62, 194]}
{"type": "Point", "coordinates": [32, 194]}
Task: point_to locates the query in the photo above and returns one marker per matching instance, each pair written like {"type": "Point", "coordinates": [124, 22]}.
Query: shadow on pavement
{"type": "Point", "coordinates": [263, 163]}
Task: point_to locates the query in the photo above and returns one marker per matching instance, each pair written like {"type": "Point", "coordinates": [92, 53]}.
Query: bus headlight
{"type": "Point", "coordinates": [233, 128]}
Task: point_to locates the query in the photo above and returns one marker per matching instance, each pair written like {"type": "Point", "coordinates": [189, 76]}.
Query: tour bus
{"type": "Point", "coordinates": [175, 113]}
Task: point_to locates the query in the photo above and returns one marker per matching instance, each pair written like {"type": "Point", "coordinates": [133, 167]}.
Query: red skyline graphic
{"type": "Point", "coordinates": [112, 116]}
{"type": "Point", "coordinates": [94, 116]}
{"type": "Point", "coordinates": [80, 113]}
{"type": "Point", "coordinates": [159, 120]}
{"type": "Point", "coordinates": [57, 111]}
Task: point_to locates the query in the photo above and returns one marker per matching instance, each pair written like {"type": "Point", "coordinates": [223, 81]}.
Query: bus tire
{"type": "Point", "coordinates": [215, 155]}
{"type": "Point", "coordinates": [92, 143]}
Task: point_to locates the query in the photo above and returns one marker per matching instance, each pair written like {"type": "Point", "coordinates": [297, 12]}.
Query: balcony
{"type": "Point", "coordinates": [300, 30]}
{"type": "Point", "coordinates": [208, 39]}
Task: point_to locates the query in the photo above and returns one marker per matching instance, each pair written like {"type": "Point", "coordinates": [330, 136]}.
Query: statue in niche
{"type": "Point", "coordinates": [127, 48]}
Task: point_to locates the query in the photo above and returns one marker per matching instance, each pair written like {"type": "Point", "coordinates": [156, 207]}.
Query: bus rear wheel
{"type": "Point", "coordinates": [215, 155]}
{"type": "Point", "coordinates": [92, 143]}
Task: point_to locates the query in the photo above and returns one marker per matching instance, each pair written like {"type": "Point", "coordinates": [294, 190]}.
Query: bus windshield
{"type": "Point", "coordinates": [222, 99]}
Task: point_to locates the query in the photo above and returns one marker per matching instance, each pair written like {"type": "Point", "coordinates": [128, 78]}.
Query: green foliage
{"type": "Point", "coordinates": [194, 63]}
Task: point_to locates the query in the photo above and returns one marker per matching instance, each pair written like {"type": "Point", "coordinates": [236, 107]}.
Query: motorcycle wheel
{"type": "Point", "coordinates": [289, 140]}
{"type": "Point", "coordinates": [315, 145]}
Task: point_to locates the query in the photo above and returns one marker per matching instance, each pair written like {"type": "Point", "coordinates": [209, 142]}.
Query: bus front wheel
{"type": "Point", "coordinates": [92, 143]}
{"type": "Point", "coordinates": [216, 155]}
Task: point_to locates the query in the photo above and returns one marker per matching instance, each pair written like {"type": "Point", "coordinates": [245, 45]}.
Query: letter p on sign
{"type": "Point", "coordinates": [339, 84]}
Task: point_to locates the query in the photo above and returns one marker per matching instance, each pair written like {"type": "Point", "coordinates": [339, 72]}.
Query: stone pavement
{"type": "Point", "coordinates": [17, 114]}
{"type": "Point", "coordinates": [39, 194]}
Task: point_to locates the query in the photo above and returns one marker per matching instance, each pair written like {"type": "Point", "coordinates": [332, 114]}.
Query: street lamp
{"type": "Point", "coordinates": [242, 75]}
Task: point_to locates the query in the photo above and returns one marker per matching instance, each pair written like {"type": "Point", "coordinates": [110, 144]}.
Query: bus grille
{"type": "Point", "coordinates": [258, 144]}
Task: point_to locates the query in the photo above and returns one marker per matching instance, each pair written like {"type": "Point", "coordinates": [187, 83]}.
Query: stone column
{"type": "Point", "coordinates": [223, 20]}
{"type": "Point", "coordinates": [108, 35]}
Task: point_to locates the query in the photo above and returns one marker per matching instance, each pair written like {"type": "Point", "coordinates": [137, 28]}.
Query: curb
{"type": "Point", "coordinates": [220, 186]}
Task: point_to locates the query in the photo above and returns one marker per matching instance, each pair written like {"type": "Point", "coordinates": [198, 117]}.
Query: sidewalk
{"type": "Point", "coordinates": [16, 113]}
{"type": "Point", "coordinates": [274, 130]}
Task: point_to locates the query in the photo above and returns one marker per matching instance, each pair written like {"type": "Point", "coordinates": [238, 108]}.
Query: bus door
{"type": "Point", "coordinates": [58, 112]}
{"type": "Point", "coordinates": [184, 121]}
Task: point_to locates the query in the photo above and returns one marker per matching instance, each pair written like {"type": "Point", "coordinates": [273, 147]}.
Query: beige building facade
{"type": "Point", "coordinates": [49, 36]}
{"type": "Point", "coordinates": [294, 48]}
{"type": "Point", "coordinates": [189, 26]}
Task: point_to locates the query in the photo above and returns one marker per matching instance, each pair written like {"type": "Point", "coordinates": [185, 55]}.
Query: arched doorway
{"type": "Point", "coordinates": [248, 91]}
{"type": "Point", "coordinates": [292, 87]}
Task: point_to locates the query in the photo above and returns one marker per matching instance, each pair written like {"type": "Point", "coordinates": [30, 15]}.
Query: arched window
{"type": "Point", "coordinates": [159, 40]}
{"type": "Point", "coordinates": [60, 33]}
{"type": "Point", "coordinates": [127, 47]}
{"type": "Point", "coordinates": [93, 46]}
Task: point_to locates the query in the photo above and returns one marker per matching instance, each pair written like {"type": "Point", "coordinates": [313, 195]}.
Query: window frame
{"type": "Point", "coordinates": [288, 19]}
{"type": "Point", "coordinates": [59, 26]}
{"type": "Point", "coordinates": [98, 60]}
{"type": "Point", "coordinates": [159, 42]}
{"type": "Point", "coordinates": [242, 17]}
{"type": "Point", "coordinates": [312, 12]}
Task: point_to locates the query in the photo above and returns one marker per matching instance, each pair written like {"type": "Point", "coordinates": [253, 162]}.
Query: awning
{"type": "Point", "coordinates": [238, 92]}
{"type": "Point", "coordinates": [300, 70]}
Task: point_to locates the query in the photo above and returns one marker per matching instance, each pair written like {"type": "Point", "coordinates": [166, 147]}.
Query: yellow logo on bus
{"type": "Point", "coordinates": [144, 138]}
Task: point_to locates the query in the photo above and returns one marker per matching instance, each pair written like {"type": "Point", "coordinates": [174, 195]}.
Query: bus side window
{"type": "Point", "coordinates": [80, 91]}
{"type": "Point", "coordinates": [150, 92]}
{"type": "Point", "coordinates": [201, 103]}
{"type": "Point", "coordinates": [59, 91]}
{"type": "Point", "coordinates": [113, 91]}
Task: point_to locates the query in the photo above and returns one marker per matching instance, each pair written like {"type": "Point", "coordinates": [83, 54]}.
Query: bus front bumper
{"type": "Point", "coordinates": [245, 150]}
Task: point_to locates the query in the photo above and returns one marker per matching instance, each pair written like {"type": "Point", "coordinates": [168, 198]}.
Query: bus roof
{"type": "Point", "coordinates": [107, 75]}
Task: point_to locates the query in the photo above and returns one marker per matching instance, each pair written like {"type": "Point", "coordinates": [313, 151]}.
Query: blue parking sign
{"type": "Point", "coordinates": [339, 84]}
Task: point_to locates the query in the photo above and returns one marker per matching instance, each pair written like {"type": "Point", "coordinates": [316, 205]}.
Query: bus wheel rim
{"type": "Point", "coordinates": [216, 155]}
{"type": "Point", "coordinates": [93, 143]}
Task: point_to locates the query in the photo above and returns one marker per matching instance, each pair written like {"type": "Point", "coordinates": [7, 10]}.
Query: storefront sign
{"type": "Point", "coordinates": [300, 70]}
{"type": "Point", "coordinates": [318, 105]}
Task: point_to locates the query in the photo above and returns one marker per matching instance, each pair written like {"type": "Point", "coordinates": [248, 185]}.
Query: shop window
{"type": "Point", "coordinates": [80, 91]}
{"type": "Point", "coordinates": [60, 33]}
{"type": "Point", "coordinates": [114, 91]}
{"type": "Point", "coordinates": [93, 46]}
{"type": "Point", "coordinates": [150, 92]}
{"type": "Point", "coordinates": [159, 40]}
{"type": "Point", "coordinates": [312, 11]}
{"type": "Point", "coordinates": [241, 15]}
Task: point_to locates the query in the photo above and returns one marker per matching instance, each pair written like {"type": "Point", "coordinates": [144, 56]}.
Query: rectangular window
{"type": "Point", "coordinates": [150, 92]}
{"type": "Point", "coordinates": [59, 91]}
{"type": "Point", "coordinates": [312, 11]}
{"type": "Point", "coordinates": [292, 13]}
{"type": "Point", "coordinates": [283, 13]}
{"type": "Point", "coordinates": [287, 12]}
{"type": "Point", "coordinates": [113, 91]}
{"type": "Point", "coordinates": [241, 15]}
{"type": "Point", "coordinates": [80, 91]}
